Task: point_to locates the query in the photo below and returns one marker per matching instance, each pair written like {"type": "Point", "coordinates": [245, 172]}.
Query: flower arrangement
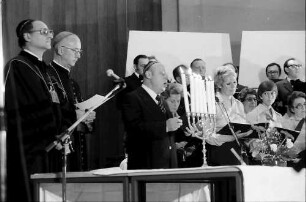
{"type": "Point", "coordinates": [272, 147]}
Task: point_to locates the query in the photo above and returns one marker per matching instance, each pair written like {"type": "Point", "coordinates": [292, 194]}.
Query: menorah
{"type": "Point", "coordinates": [202, 108]}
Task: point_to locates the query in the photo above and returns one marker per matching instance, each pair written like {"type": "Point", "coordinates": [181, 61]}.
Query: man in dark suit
{"type": "Point", "coordinates": [288, 85]}
{"type": "Point", "coordinates": [135, 80]}
{"type": "Point", "coordinates": [273, 72]}
{"type": "Point", "coordinates": [148, 145]}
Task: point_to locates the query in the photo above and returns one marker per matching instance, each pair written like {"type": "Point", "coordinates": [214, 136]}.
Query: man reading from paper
{"type": "Point", "coordinates": [148, 144]}
{"type": "Point", "coordinates": [67, 51]}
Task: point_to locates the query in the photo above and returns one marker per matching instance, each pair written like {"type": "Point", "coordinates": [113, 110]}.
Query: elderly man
{"type": "Point", "coordinates": [148, 144]}
{"type": "Point", "coordinates": [289, 84]}
{"type": "Point", "coordinates": [30, 103]}
{"type": "Point", "coordinates": [67, 51]}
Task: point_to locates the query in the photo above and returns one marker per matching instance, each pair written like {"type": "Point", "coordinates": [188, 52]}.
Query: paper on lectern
{"type": "Point", "coordinates": [94, 101]}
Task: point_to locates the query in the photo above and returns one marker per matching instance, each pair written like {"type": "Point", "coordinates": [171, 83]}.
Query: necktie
{"type": "Point", "coordinates": [140, 78]}
{"type": "Point", "coordinates": [160, 104]}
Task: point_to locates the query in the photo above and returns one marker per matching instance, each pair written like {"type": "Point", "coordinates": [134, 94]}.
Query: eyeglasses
{"type": "Point", "coordinates": [251, 99]}
{"type": "Point", "coordinates": [43, 31]}
{"type": "Point", "coordinates": [300, 106]}
{"type": "Point", "coordinates": [295, 66]}
{"type": "Point", "coordinates": [76, 51]}
{"type": "Point", "coordinates": [272, 72]}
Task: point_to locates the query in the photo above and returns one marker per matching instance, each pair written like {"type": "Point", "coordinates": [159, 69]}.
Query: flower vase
{"type": "Point", "coordinates": [273, 161]}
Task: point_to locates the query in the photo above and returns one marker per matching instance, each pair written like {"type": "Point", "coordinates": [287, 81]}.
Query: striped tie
{"type": "Point", "coordinates": [160, 104]}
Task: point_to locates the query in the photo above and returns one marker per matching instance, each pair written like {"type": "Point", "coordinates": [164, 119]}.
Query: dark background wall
{"type": "Point", "coordinates": [103, 27]}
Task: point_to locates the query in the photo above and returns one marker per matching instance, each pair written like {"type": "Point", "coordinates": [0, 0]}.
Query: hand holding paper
{"type": "Point", "coordinates": [94, 101]}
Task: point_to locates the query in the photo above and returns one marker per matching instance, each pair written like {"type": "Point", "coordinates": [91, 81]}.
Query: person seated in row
{"type": "Point", "coordinates": [228, 109]}
{"type": "Point", "coordinates": [273, 72]}
{"type": "Point", "coordinates": [297, 106]}
{"type": "Point", "coordinates": [264, 112]}
{"type": "Point", "coordinates": [239, 86]}
{"type": "Point", "coordinates": [189, 149]}
{"type": "Point", "coordinates": [291, 83]}
{"type": "Point", "coordinates": [198, 66]}
{"type": "Point", "coordinates": [248, 97]}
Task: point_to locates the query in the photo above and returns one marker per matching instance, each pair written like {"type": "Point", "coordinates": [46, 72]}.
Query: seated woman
{"type": "Point", "coordinates": [189, 152]}
{"type": "Point", "coordinates": [297, 107]}
{"type": "Point", "coordinates": [264, 112]}
{"type": "Point", "coordinates": [228, 109]}
{"type": "Point", "coordinates": [248, 97]}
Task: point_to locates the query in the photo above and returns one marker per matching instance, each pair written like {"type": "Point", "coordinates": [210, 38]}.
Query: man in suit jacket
{"type": "Point", "coordinates": [288, 85]}
{"type": "Point", "coordinates": [148, 144]}
{"type": "Point", "coordinates": [135, 80]}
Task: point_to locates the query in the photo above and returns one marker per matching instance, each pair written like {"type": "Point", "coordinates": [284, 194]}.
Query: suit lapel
{"type": "Point", "coordinates": [287, 85]}
{"type": "Point", "coordinates": [148, 101]}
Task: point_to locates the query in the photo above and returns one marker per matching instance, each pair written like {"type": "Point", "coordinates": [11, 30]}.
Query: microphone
{"type": "Point", "coordinates": [118, 79]}
{"type": "Point", "coordinates": [110, 73]}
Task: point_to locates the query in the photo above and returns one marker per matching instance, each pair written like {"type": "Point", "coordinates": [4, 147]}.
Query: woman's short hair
{"type": "Point", "coordinates": [246, 91]}
{"type": "Point", "coordinates": [24, 26]}
{"type": "Point", "coordinates": [222, 72]}
{"type": "Point", "coordinates": [294, 95]}
{"type": "Point", "coordinates": [173, 89]}
{"type": "Point", "coordinates": [266, 86]}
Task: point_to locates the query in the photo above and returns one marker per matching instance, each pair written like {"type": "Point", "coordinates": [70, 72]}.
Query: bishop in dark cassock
{"type": "Point", "coordinates": [32, 110]}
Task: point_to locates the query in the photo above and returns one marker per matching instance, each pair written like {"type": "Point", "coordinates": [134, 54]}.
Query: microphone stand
{"type": "Point", "coordinates": [64, 138]}
{"type": "Point", "coordinates": [242, 149]}
{"type": "Point", "coordinates": [223, 110]}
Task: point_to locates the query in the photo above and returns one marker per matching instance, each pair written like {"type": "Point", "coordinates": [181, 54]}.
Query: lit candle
{"type": "Point", "coordinates": [208, 95]}
{"type": "Point", "coordinates": [185, 92]}
{"type": "Point", "coordinates": [192, 92]}
{"type": "Point", "coordinates": [204, 97]}
{"type": "Point", "coordinates": [213, 97]}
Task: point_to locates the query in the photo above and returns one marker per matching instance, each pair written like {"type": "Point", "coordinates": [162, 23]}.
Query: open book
{"type": "Point", "coordinates": [292, 134]}
{"type": "Point", "coordinates": [242, 127]}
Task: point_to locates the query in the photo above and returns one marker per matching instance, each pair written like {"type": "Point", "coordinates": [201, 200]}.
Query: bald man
{"type": "Point", "coordinates": [148, 145]}
{"type": "Point", "coordinates": [67, 51]}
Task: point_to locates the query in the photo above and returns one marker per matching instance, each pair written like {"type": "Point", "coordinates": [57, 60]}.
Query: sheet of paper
{"type": "Point", "coordinates": [95, 100]}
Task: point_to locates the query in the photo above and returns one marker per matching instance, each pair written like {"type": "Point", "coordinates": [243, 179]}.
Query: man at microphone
{"type": "Point", "coordinates": [148, 145]}
{"type": "Point", "coordinates": [66, 52]}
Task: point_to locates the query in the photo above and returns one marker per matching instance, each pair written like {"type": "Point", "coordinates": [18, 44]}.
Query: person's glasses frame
{"type": "Point", "coordinates": [300, 106]}
{"type": "Point", "coordinates": [295, 66]}
{"type": "Point", "coordinates": [43, 31]}
{"type": "Point", "coordinates": [76, 51]}
{"type": "Point", "coordinates": [273, 72]}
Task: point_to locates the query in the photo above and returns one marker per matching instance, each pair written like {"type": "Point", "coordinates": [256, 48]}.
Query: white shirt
{"type": "Point", "coordinates": [150, 92]}
{"type": "Point", "coordinates": [61, 65]}
{"type": "Point", "coordinates": [26, 50]}
{"type": "Point", "coordinates": [259, 115]}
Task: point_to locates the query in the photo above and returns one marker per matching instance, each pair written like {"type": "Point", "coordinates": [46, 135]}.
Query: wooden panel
{"type": "Point", "coordinates": [102, 26]}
